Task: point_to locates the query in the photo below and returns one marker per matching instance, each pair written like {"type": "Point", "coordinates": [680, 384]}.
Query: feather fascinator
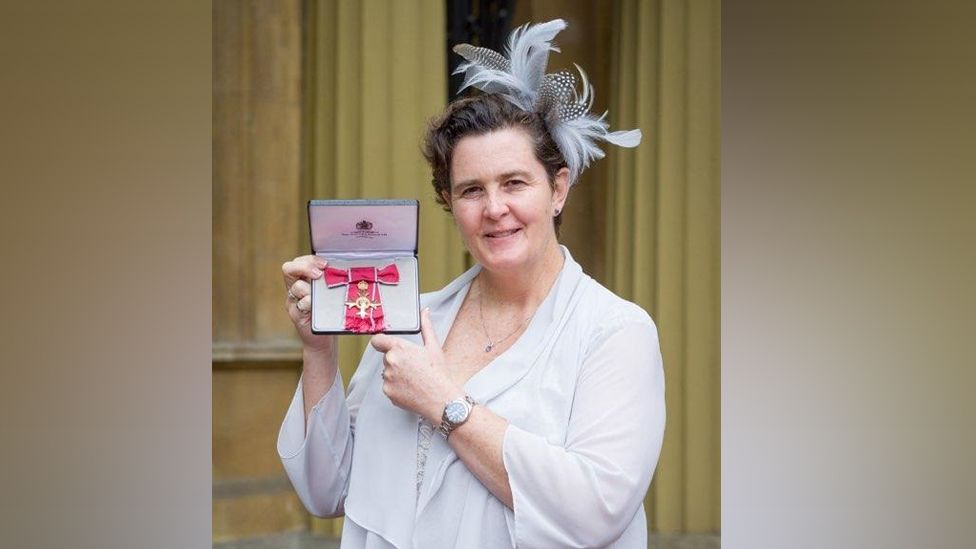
{"type": "Point", "coordinates": [520, 77]}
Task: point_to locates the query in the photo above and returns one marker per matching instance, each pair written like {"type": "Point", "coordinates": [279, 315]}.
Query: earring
{"type": "Point", "coordinates": [557, 213]}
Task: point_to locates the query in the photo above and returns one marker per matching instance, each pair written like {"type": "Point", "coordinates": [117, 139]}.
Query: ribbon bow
{"type": "Point", "coordinates": [364, 311]}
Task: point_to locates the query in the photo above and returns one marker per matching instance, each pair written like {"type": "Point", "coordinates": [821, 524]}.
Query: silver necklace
{"type": "Point", "coordinates": [484, 326]}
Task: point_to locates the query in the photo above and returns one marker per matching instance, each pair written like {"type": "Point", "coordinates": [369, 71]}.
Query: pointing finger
{"type": "Point", "coordinates": [427, 331]}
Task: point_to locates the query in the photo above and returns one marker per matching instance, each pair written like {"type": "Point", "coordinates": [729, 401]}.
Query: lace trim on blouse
{"type": "Point", "coordinates": [425, 431]}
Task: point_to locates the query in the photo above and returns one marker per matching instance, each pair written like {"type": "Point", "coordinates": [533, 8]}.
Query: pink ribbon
{"type": "Point", "coordinates": [369, 318]}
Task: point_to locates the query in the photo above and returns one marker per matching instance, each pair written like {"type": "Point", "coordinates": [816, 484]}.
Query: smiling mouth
{"type": "Point", "coordinates": [502, 234]}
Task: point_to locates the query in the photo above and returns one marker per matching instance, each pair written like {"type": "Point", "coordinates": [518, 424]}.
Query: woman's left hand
{"type": "Point", "coordinates": [416, 377]}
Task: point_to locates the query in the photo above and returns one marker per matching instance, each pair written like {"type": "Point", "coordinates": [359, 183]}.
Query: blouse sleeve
{"type": "Point", "coordinates": [318, 461]}
{"type": "Point", "coordinates": [586, 493]}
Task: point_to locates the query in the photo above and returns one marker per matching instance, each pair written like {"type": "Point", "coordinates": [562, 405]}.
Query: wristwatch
{"type": "Point", "coordinates": [456, 412]}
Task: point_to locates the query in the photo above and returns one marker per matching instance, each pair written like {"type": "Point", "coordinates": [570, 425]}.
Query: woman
{"type": "Point", "coordinates": [547, 390]}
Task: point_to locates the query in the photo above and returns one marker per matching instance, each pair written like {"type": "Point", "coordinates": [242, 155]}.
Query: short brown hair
{"type": "Point", "coordinates": [479, 115]}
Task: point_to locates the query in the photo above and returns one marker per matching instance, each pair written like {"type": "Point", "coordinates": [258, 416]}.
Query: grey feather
{"type": "Point", "coordinates": [522, 80]}
{"type": "Point", "coordinates": [484, 57]}
{"type": "Point", "coordinates": [528, 52]}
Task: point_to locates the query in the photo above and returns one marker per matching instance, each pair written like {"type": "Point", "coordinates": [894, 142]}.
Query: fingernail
{"type": "Point", "coordinates": [321, 263]}
{"type": "Point", "coordinates": [316, 273]}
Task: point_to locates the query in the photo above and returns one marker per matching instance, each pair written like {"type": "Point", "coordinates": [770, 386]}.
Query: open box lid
{"type": "Point", "coordinates": [363, 227]}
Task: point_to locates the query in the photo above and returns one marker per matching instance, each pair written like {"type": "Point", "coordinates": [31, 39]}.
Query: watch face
{"type": "Point", "coordinates": [456, 412]}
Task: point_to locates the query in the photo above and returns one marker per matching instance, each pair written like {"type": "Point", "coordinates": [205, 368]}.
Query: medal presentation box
{"type": "Point", "coordinates": [371, 284]}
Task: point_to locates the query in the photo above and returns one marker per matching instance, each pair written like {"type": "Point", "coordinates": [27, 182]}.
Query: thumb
{"type": "Point", "coordinates": [382, 342]}
{"type": "Point", "coordinates": [427, 331]}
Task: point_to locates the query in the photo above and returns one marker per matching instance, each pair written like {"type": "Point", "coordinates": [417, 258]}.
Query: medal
{"type": "Point", "coordinates": [364, 311]}
{"type": "Point", "coordinates": [363, 303]}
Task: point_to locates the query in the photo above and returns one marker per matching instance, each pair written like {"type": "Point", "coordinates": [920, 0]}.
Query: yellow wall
{"type": "Point", "coordinates": [257, 197]}
{"type": "Point", "coordinates": [663, 242]}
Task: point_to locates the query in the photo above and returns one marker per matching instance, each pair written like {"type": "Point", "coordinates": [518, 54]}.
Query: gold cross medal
{"type": "Point", "coordinates": [363, 303]}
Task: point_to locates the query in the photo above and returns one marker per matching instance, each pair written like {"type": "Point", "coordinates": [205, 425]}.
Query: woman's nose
{"type": "Point", "coordinates": [495, 205]}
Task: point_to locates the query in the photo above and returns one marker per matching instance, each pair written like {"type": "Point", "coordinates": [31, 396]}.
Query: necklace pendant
{"type": "Point", "coordinates": [488, 347]}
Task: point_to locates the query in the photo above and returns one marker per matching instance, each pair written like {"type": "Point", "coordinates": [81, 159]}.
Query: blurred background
{"type": "Point", "coordinates": [330, 99]}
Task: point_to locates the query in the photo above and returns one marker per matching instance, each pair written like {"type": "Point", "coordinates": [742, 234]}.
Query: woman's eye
{"type": "Point", "coordinates": [516, 183]}
{"type": "Point", "coordinates": [469, 191]}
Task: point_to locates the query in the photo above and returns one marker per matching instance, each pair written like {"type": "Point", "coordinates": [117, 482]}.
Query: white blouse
{"type": "Point", "coordinates": [583, 392]}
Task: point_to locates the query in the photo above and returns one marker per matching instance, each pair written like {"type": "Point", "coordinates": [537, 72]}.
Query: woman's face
{"type": "Point", "coordinates": [502, 200]}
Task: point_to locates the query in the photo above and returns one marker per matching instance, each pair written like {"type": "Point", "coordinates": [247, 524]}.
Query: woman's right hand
{"type": "Point", "coordinates": [320, 353]}
{"type": "Point", "coordinates": [298, 274]}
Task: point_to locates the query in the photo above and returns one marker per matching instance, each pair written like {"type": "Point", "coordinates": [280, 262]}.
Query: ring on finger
{"type": "Point", "coordinates": [298, 305]}
{"type": "Point", "coordinates": [292, 296]}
